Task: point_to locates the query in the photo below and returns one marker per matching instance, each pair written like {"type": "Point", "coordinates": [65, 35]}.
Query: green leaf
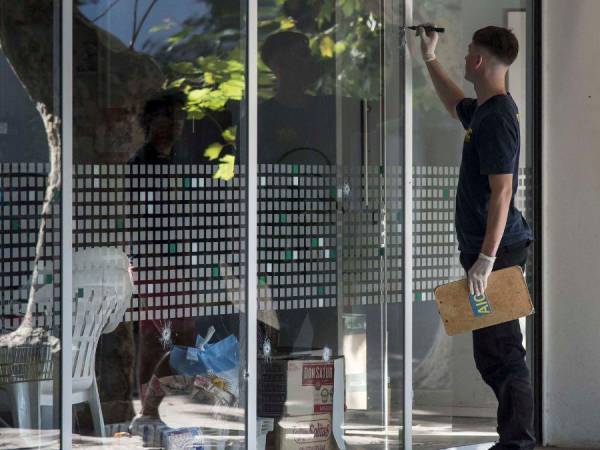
{"type": "Point", "coordinates": [184, 67]}
{"type": "Point", "coordinates": [212, 64]}
{"type": "Point", "coordinates": [234, 65]}
{"type": "Point", "coordinates": [326, 11]}
{"type": "Point", "coordinates": [348, 9]}
{"type": "Point", "coordinates": [176, 83]}
{"type": "Point", "coordinates": [326, 46]}
{"type": "Point", "coordinates": [209, 78]}
{"type": "Point", "coordinates": [233, 89]}
{"type": "Point", "coordinates": [198, 95]}
{"type": "Point", "coordinates": [229, 134]}
{"type": "Point", "coordinates": [215, 100]}
{"type": "Point", "coordinates": [226, 169]}
{"type": "Point", "coordinates": [238, 76]}
{"type": "Point", "coordinates": [178, 37]}
{"type": "Point", "coordinates": [213, 151]}
{"type": "Point", "coordinates": [340, 47]}
{"type": "Point", "coordinates": [287, 24]}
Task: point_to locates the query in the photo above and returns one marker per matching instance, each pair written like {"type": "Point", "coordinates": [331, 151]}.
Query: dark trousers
{"type": "Point", "coordinates": [500, 359]}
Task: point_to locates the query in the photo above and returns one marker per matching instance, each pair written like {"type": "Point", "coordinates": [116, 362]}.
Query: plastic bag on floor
{"type": "Point", "coordinates": [220, 360]}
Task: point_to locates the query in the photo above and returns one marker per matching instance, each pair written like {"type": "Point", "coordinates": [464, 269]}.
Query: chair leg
{"type": "Point", "coordinates": [48, 419]}
{"type": "Point", "coordinates": [25, 398]}
{"type": "Point", "coordinates": [96, 409]}
{"type": "Point", "coordinates": [19, 407]}
{"type": "Point", "coordinates": [34, 404]}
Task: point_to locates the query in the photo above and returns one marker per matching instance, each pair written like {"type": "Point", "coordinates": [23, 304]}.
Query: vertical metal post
{"type": "Point", "coordinates": [342, 175]}
{"type": "Point", "coordinates": [408, 234]}
{"type": "Point", "coordinates": [383, 219]}
{"type": "Point", "coordinates": [66, 223]}
{"type": "Point", "coordinates": [252, 261]}
{"type": "Point", "coordinates": [535, 342]}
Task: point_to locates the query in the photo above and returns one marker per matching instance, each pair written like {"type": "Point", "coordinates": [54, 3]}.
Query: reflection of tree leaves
{"type": "Point", "coordinates": [226, 169]}
{"type": "Point", "coordinates": [213, 151]}
{"type": "Point", "coordinates": [197, 96]}
{"type": "Point", "coordinates": [205, 55]}
{"type": "Point", "coordinates": [167, 24]}
{"type": "Point", "coordinates": [229, 134]}
{"type": "Point", "coordinates": [232, 89]}
{"type": "Point", "coordinates": [209, 78]}
{"type": "Point", "coordinates": [347, 7]}
{"type": "Point", "coordinates": [326, 46]}
{"type": "Point", "coordinates": [340, 47]}
{"type": "Point", "coordinates": [287, 24]}
{"type": "Point", "coordinates": [184, 68]}
{"type": "Point", "coordinates": [179, 36]}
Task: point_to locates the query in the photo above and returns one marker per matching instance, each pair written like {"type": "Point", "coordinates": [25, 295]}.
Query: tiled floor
{"type": "Point", "coordinates": [11, 439]}
{"type": "Point", "coordinates": [430, 432]}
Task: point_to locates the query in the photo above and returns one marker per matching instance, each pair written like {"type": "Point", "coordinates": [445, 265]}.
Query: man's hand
{"type": "Point", "coordinates": [479, 274]}
{"type": "Point", "coordinates": [429, 40]}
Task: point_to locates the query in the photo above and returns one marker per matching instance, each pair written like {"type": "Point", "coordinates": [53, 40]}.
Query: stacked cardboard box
{"type": "Point", "coordinates": [312, 408]}
{"type": "Point", "coordinates": [306, 433]}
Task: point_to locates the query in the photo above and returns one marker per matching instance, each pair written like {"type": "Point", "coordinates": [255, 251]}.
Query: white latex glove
{"type": "Point", "coordinates": [429, 40]}
{"type": "Point", "coordinates": [479, 273]}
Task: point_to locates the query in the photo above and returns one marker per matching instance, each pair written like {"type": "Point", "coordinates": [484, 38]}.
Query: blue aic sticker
{"type": "Point", "coordinates": [480, 305]}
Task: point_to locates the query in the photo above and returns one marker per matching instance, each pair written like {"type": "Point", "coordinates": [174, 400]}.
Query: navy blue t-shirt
{"type": "Point", "coordinates": [491, 147]}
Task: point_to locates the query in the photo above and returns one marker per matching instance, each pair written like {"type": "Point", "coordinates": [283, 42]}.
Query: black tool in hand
{"type": "Point", "coordinates": [427, 28]}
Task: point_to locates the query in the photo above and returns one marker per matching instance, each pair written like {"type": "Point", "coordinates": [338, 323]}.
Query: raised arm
{"type": "Point", "coordinates": [447, 90]}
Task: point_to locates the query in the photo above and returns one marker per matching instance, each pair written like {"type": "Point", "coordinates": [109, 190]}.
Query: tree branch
{"type": "Point", "coordinates": [134, 27]}
{"type": "Point", "coordinates": [103, 13]}
{"type": "Point", "coordinates": [139, 28]}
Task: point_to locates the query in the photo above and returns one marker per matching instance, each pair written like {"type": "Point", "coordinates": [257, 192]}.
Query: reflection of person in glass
{"type": "Point", "coordinates": [295, 127]}
{"type": "Point", "coordinates": [492, 233]}
{"type": "Point", "coordinates": [162, 120]}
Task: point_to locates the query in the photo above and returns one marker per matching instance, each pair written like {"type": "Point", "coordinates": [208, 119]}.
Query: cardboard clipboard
{"type": "Point", "coordinates": [506, 298]}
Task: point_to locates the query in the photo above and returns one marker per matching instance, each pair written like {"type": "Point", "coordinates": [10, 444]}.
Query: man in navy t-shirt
{"type": "Point", "coordinates": [492, 233]}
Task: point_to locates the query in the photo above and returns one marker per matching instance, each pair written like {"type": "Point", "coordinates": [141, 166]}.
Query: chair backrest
{"type": "Point", "coordinates": [102, 288]}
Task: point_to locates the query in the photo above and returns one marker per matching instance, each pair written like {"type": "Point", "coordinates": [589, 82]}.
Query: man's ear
{"type": "Point", "coordinates": [479, 61]}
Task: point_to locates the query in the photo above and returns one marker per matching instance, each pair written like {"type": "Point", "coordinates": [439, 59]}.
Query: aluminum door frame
{"type": "Point", "coordinates": [66, 280]}
{"type": "Point", "coordinates": [407, 196]}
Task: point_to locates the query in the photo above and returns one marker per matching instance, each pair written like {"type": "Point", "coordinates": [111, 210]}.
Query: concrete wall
{"type": "Point", "coordinates": [571, 220]}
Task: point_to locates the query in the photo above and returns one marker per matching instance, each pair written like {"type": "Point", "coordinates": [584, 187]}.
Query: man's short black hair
{"type": "Point", "coordinates": [163, 103]}
{"type": "Point", "coordinates": [500, 42]}
{"type": "Point", "coordinates": [279, 42]}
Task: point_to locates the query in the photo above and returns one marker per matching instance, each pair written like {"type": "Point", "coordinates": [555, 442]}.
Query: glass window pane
{"type": "Point", "coordinates": [30, 224]}
{"type": "Point", "coordinates": [159, 217]}
{"type": "Point", "coordinates": [330, 180]}
{"type": "Point", "coordinates": [453, 405]}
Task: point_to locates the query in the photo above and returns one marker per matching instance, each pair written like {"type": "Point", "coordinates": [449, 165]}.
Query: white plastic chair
{"type": "Point", "coordinates": [102, 288]}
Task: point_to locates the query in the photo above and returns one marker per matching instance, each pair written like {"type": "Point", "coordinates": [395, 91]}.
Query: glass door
{"type": "Point", "coordinates": [329, 224]}
{"type": "Point", "coordinates": [453, 407]}
{"type": "Point", "coordinates": [159, 224]}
